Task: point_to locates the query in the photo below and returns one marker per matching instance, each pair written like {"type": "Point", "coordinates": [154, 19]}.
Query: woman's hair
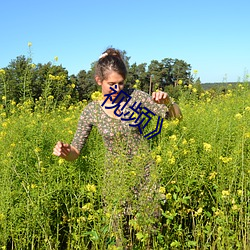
{"type": "Point", "coordinates": [110, 60]}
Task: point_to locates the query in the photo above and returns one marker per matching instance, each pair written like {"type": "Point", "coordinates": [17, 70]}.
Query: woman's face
{"type": "Point", "coordinates": [114, 80]}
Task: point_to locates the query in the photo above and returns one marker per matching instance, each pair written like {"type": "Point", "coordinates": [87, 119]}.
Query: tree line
{"type": "Point", "coordinates": [22, 79]}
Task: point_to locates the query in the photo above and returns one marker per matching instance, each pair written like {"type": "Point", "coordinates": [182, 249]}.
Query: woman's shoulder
{"type": "Point", "coordinates": [91, 106]}
{"type": "Point", "coordinates": [136, 93]}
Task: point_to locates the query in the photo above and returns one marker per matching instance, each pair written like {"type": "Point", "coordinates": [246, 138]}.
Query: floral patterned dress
{"type": "Point", "coordinates": [113, 129]}
{"type": "Point", "coordinates": [122, 139]}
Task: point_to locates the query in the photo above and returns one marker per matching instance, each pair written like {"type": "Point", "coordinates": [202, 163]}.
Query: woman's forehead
{"type": "Point", "coordinates": [113, 77]}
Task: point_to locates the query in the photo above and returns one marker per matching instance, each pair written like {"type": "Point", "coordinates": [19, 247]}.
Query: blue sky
{"type": "Point", "coordinates": [212, 36]}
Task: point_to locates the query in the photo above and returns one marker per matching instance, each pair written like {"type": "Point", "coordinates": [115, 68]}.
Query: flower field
{"type": "Point", "coordinates": [203, 163]}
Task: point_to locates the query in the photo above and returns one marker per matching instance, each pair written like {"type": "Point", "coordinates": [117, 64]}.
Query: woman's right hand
{"type": "Point", "coordinates": [62, 149]}
{"type": "Point", "coordinates": [66, 151]}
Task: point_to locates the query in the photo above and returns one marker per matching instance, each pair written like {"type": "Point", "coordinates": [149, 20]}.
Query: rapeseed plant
{"type": "Point", "coordinates": [97, 95]}
{"type": "Point", "coordinates": [225, 159]}
{"type": "Point", "coordinates": [202, 161]}
{"type": "Point", "coordinates": [225, 193]}
{"type": "Point", "coordinates": [207, 147]}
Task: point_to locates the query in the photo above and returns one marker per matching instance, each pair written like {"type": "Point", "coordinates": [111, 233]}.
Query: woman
{"type": "Point", "coordinates": [111, 72]}
{"type": "Point", "coordinates": [113, 116]}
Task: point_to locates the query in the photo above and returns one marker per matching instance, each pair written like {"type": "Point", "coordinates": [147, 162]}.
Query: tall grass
{"type": "Point", "coordinates": [202, 164]}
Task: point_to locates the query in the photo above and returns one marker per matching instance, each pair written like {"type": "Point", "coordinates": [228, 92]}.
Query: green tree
{"type": "Point", "coordinates": [52, 80]}
{"type": "Point", "coordinates": [181, 71]}
{"type": "Point", "coordinates": [168, 72]}
{"type": "Point", "coordinates": [138, 72]}
{"type": "Point", "coordinates": [18, 79]}
{"type": "Point", "coordinates": [86, 84]}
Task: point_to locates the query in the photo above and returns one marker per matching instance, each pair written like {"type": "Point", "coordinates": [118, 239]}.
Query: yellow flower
{"type": "Point", "coordinates": [225, 193]}
{"type": "Point", "coordinates": [198, 212]}
{"type": "Point", "coordinates": [9, 154]}
{"type": "Point", "coordinates": [212, 175]}
{"type": "Point", "coordinates": [137, 81]}
{"type": "Point", "coordinates": [225, 159]}
{"type": "Point", "coordinates": [171, 160]}
{"type": "Point", "coordinates": [133, 173]}
{"type": "Point", "coordinates": [87, 207]}
{"type": "Point", "coordinates": [190, 86]}
{"type": "Point", "coordinates": [2, 217]}
{"type": "Point", "coordinates": [97, 95]}
{"type": "Point", "coordinates": [168, 196]}
{"type": "Point", "coordinates": [134, 115]}
{"type": "Point", "coordinates": [218, 212]}
{"type": "Point", "coordinates": [81, 219]}
{"type": "Point", "coordinates": [56, 58]}
{"type": "Point", "coordinates": [3, 97]}
{"type": "Point", "coordinates": [162, 190]}
{"type": "Point", "coordinates": [37, 149]}
{"type": "Point", "coordinates": [50, 97]}
{"type": "Point", "coordinates": [13, 103]}
{"type": "Point", "coordinates": [108, 215]}
{"type": "Point", "coordinates": [165, 124]}
{"type": "Point", "coordinates": [2, 72]}
{"type": "Point", "coordinates": [135, 86]}
{"type": "Point", "coordinates": [51, 77]}
{"type": "Point", "coordinates": [235, 207]}
{"type": "Point", "coordinates": [90, 217]}
{"type": "Point", "coordinates": [91, 188]}
{"type": "Point", "coordinates": [239, 192]}
{"type": "Point", "coordinates": [175, 122]}
{"type": "Point", "coordinates": [61, 161]}
{"type": "Point", "coordinates": [247, 108]}
{"type": "Point", "coordinates": [158, 159]}
{"type": "Point", "coordinates": [184, 141]}
{"type": "Point", "coordinates": [29, 44]}
{"type": "Point", "coordinates": [207, 147]}
{"type": "Point", "coordinates": [238, 116]}
{"type": "Point", "coordinates": [195, 71]}
{"type": "Point", "coordinates": [4, 124]}
{"type": "Point", "coordinates": [194, 90]}
{"type": "Point", "coordinates": [180, 82]}
{"type": "Point", "coordinates": [191, 140]}
{"type": "Point", "coordinates": [173, 137]}
{"type": "Point", "coordinates": [73, 85]}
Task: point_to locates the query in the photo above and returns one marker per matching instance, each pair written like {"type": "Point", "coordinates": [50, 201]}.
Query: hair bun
{"type": "Point", "coordinates": [103, 55]}
{"type": "Point", "coordinates": [111, 52]}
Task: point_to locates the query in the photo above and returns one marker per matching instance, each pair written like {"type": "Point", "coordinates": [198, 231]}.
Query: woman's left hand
{"type": "Point", "coordinates": [161, 97]}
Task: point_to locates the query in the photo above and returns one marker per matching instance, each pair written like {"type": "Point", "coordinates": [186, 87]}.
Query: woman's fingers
{"type": "Point", "coordinates": [160, 97]}
{"type": "Point", "coordinates": [61, 149]}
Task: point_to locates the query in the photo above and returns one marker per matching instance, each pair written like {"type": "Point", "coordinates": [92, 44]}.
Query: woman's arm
{"type": "Point", "coordinates": [163, 98]}
{"type": "Point", "coordinates": [70, 152]}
